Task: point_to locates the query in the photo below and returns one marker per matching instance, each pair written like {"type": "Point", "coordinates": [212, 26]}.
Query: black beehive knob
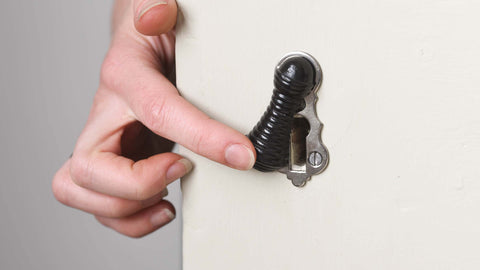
{"type": "Point", "coordinates": [295, 77]}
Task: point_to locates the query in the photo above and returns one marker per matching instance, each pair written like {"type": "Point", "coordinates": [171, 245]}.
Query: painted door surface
{"type": "Point", "coordinates": [400, 103]}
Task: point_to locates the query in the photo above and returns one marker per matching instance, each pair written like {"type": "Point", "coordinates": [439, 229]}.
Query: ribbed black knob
{"type": "Point", "coordinates": [294, 79]}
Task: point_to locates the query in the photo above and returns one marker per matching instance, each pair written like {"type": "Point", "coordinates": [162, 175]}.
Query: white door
{"type": "Point", "coordinates": [400, 103]}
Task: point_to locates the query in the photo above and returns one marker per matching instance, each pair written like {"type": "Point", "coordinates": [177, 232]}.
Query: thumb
{"type": "Point", "coordinates": [155, 17]}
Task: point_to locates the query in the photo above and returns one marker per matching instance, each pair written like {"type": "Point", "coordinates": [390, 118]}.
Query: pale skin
{"type": "Point", "coordinates": [121, 166]}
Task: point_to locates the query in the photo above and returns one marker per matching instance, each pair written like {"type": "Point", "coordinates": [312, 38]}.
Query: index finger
{"type": "Point", "coordinates": [156, 103]}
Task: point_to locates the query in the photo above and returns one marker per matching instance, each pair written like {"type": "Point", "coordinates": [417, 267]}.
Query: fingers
{"type": "Point", "coordinates": [117, 176]}
{"type": "Point", "coordinates": [132, 218]}
{"type": "Point", "coordinates": [70, 194]}
{"type": "Point", "coordinates": [155, 17]}
{"type": "Point", "coordinates": [156, 103]}
{"type": "Point", "coordinates": [143, 222]}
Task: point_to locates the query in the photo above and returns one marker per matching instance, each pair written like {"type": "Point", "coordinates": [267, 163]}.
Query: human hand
{"type": "Point", "coordinates": [119, 169]}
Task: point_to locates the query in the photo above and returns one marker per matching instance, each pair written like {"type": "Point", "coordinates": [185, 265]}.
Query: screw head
{"type": "Point", "coordinates": [315, 159]}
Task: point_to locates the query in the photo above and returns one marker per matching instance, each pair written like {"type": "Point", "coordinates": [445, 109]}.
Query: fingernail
{"type": "Point", "coordinates": [239, 156]}
{"type": "Point", "coordinates": [147, 5]}
{"type": "Point", "coordinates": [178, 169]}
{"type": "Point", "coordinates": [162, 217]}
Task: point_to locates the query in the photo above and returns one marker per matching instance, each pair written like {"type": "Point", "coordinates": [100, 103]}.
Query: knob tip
{"type": "Point", "coordinates": [298, 70]}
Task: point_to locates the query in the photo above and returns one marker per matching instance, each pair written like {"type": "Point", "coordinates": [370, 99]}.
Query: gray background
{"type": "Point", "coordinates": [50, 56]}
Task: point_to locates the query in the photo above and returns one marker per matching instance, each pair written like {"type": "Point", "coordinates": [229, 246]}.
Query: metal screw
{"type": "Point", "coordinates": [315, 159]}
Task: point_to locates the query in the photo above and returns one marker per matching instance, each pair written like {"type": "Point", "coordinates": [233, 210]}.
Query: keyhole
{"type": "Point", "coordinates": [298, 146]}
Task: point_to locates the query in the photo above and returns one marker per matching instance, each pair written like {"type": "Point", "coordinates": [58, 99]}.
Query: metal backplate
{"type": "Point", "coordinates": [317, 156]}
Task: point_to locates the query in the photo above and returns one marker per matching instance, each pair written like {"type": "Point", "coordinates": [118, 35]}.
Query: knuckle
{"type": "Point", "coordinates": [122, 227]}
{"type": "Point", "coordinates": [201, 139]}
{"type": "Point", "coordinates": [81, 171]}
{"type": "Point", "coordinates": [118, 208]}
{"type": "Point", "coordinates": [133, 233]}
{"type": "Point", "coordinates": [198, 141]}
{"type": "Point", "coordinates": [112, 69]}
{"type": "Point", "coordinates": [59, 188]}
{"type": "Point", "coordinates": [109, 70]}
{"type": "Point", "coordinates": [145, 191]}
{"type": "Point", "coordinates": [148, 184]}
{"type": "Point", "coordinates": [156, 113]}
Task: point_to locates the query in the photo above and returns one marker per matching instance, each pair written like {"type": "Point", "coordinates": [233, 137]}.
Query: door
{"type": "Point", "coordinates": [400, 104]}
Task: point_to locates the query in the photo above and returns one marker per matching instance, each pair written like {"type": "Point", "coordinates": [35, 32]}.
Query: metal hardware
{"type": "Point", "coordinates": [298, 77]}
